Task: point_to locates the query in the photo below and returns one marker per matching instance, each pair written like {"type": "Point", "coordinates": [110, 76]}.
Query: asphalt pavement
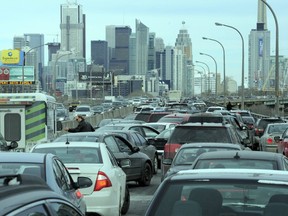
{"type": "Point", "coordinates": [141, 196]}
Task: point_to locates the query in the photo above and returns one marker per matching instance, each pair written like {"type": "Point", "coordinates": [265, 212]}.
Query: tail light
{"type": "Point", "coordinates": [78, 194]}
{"type": "Point", "coordinates": [258, 131]}
{"type": "Point", "coordinates": [102, 181]}
{"type": "Point", "coordinates": [170, 150]}
{"type": "Point", "coordinates": [269, 140]}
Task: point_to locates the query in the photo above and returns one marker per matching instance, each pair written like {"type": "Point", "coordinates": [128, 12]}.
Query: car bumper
{"type": "Point", "coordinates": [102, 202]}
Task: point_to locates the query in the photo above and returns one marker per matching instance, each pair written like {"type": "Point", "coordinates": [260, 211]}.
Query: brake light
{"type": "Point", "coordinates": [269, 140]}
{"type": "Point", "coordinates": [258, 131]}
{"type": "Point", "coordinates": [102, 181]}
{"type": "Point", "coordinates": [170, 150]}
{"type": "Point", "coordinates": [78, 194]}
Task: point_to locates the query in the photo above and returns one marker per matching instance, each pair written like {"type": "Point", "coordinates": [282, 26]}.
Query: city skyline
{"type": "Point", "coordinates": [164, 18]}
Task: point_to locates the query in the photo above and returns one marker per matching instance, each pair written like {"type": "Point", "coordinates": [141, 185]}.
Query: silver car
{"type": "Point", "coordinates": [267, 141]}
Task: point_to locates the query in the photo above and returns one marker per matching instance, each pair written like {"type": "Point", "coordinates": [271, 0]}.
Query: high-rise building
{"type": "Point", "coordinates": [183, 72]}
{"type": "Point", "coordinates": [151, 52]}
{"type": "Point", "coordinates": [139, 50]}
{"type": "Point", "coordinates": [260, 76]}
{"type": "Point", "coordinates": [99, 53]}
{"type": "Point", "coordinates": [18, 42]}
{"type": "Point", "coordinates": [52, 49]}
{"type": "Point", "coordinates": [34, 56]}
{"type": "Point", "coordinates": [120, 62]}
{"type": "Point", "coordinates": [72, 28]}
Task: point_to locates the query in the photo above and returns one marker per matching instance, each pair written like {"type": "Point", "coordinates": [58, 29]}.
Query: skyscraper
{"type": "Point", "coordinates": [260, 77]}
{"type": "Point", "coordinates": [183, 73]}
{"type": "Point", "coordinates": [72, 28]}
{"type": "Point", "coordinates": [139, 50]}
{"type": "Point", "coordinates": [99, 53]}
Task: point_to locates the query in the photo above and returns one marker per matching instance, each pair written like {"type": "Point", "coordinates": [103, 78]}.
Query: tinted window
{"type": "Point", "coordinates": [12, 122]}
{"type": "Point", "coordinates": [200, 134]}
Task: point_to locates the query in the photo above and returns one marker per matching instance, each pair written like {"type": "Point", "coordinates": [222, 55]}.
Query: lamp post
{"type": "Point", "coordinates": [276, 59]}
{"type": "Point", "coordinates": [242, 78]}
{"type": "Point", "coordinates": [203, 73]}
{"type": "Point", "coordinates": [224, 73]}
{"type": "Point", "coordinates": [23, 66]}
{"type": "Point", "coordinates": [208, 75]}
{"type": "Point", "coordinates": [216, 79]}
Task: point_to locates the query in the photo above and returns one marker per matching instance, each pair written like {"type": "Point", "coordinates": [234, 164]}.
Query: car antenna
{"type": "Point", "coordinates": [67, 141]}
{"type": "Point", "coordinates": [237, 156]}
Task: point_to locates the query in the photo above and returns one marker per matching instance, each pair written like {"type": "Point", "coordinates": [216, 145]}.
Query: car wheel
{"type": "Point", "coordinates": [155, 164]}
{"type": "Point", "coordinates": [146, 175]}
{"type": "Point", "coordinates": [126, 203]}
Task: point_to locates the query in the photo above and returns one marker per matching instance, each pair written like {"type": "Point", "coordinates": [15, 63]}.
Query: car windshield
{"type": "Point", "coordinates": [234, 164]}
{"type": "Point", "coordinates": [244, 197]}
{"type": "Point", "coordinates": [74, 154]}
{"type": "Point", "coordinates": [83, 109]}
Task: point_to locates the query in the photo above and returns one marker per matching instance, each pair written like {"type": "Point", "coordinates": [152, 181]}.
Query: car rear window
{"type": "Point", "coordinates": [236, 164]}
{"type": "Point", "coordinates": [174, 119]}
{"type": "Point", "coordinates": [74, 154]}
{"type": "Point", "coordinates": [264, 122]}
{"type": "Point", "coordinates": [200, 134]}
{"type": "Point", "coordinates": [76, 138]}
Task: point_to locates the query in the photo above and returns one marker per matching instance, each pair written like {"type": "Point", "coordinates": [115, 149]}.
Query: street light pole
{"type": "Point", "coordinates": [203, 73]}
{"type": "Point", "coordinates": [23, 66]}
{"type": "Point", "coordinates": [208, 75]}
{"type": "Point", "coordinates": [276, 59]}
{"type": "Point", "coordinates": [216, 79]}
{"type": "Point", "coordinates": [242, 78]}
{"type": "Point", "coordinates": [224, 73]}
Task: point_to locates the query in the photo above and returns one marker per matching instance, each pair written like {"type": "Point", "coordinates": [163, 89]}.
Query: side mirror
{"type": "Point", "coordinates": [277, 139]}
{"type": "Point", "coordinates": [136, 149]}
{"type": "Point", "coordinates": [84, 182]}
{"type": "Point", "coordinates": [13, 145]}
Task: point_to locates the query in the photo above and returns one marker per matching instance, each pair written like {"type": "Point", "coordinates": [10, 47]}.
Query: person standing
{"type": "Point", "coordinates": [82, 126]}
{"type": "Point", "coordinates": [229, 106]}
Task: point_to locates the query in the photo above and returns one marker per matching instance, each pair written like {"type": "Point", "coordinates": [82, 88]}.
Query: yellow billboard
{"type": "Point", "coordinates": [10, 56]}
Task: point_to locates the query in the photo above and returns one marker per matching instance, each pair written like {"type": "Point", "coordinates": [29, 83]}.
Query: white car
{"type": "Point", "coordinates": [83, 110]}
{"type": "Point", "coordinates": [161, 126]}
{"type": "Point", "coordinates": [211, 109]}
{"type": "Point", "coordinates": [109, 194]}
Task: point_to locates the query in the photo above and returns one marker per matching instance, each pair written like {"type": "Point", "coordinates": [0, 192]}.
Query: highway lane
{"type": "Point", "coordinates": [141, 196]}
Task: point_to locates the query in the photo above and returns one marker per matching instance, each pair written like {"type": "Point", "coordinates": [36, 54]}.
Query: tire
{"type": "Point", "coordinates": [155, 164]}
{"type": "Point", "coordinates": [146, 175]}
{"type": "Point", "coordinates": [126, 203]}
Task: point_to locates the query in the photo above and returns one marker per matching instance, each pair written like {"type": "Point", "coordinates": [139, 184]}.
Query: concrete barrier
{"type": "Point", "coordinates": [94, 120]}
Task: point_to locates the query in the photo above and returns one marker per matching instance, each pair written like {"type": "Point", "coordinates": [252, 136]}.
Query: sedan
{"type": "Point", "coordinates": [267, 140]}
{"type": "Point", "coordinates": [30, 195]}
{"type": "Point", "coordinates": [241, 160]}
{"type": "Point", "coordinates": [140, 168]}
{"type": "Point", "coordinates": [187, 154]}
{"type": "Point", "coordinates": [108, 195]}
{"type": "Point", "coordinates": [48, 167]}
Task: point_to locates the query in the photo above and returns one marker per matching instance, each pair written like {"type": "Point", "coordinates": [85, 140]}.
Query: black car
{"type": "Point", "coordinates": [30, 195]}
{"type": "Point", "coordinates": [141, 167]}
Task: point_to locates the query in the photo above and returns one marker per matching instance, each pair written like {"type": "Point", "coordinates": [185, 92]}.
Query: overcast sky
{"type": "Point", "coordinates": [164, 17]}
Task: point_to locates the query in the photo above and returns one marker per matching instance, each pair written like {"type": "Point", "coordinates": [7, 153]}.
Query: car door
{"type": "Point", "coordinates": [142, 143]}
{"type": "Point", "coordinates": [122, 151]}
